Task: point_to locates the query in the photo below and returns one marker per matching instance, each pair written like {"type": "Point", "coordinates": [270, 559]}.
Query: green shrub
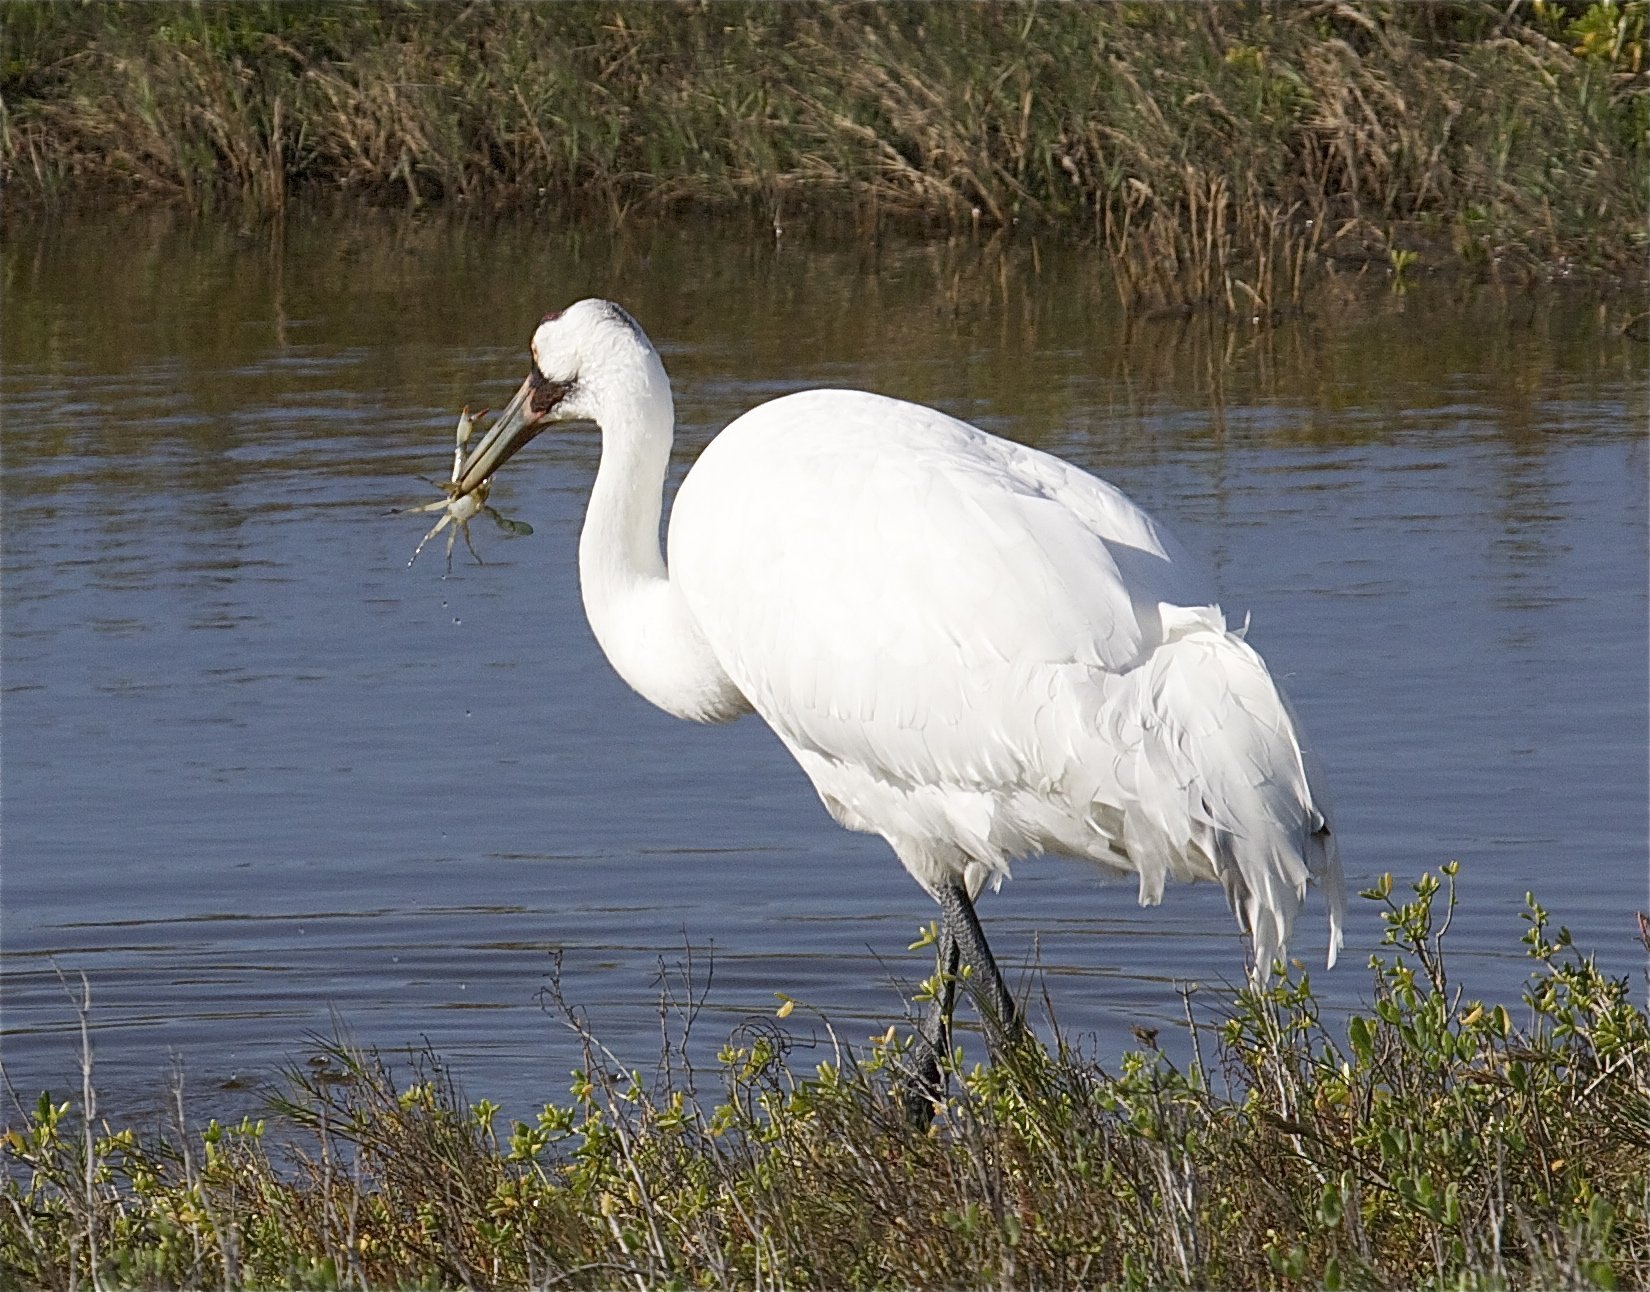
{"type": "Point", "coordinates": [1437, 1142]}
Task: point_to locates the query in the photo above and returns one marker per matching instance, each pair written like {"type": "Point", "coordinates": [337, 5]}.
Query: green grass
{"type": "Point", "coordinates": [1221, 154]}
{"type": "Point", "coordinates": [1431, 1142]}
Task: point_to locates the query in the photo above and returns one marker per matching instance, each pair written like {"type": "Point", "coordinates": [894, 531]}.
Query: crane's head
{"type": "Point", "coordinates": [584, 358]}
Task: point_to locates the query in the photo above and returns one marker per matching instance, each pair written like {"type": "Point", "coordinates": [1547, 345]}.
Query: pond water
{"type": "Point", "coordinates": [262, 780]}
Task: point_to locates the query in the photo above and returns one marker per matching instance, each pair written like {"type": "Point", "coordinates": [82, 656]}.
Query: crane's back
{"type": "Point", "coordinates": [979, 651]}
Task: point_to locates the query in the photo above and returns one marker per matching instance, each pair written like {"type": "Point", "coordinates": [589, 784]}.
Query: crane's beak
{"type": "Point", "coordinates": [525, 416]}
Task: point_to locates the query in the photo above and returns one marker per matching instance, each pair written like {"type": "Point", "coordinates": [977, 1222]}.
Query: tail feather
{"type": "Point", "coordinates": [1215, 781]}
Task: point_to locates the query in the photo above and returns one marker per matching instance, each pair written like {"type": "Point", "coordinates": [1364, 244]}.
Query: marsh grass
{"type": "Point", "coordinates": [1222, 154]}
{"type": "Point", "coordinates": [1435, 1142]}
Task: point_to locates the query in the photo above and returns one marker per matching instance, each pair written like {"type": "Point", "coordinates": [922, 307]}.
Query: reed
{"type": "Point", "coordinates": [1221, 153]}
{"type": "Point", "coordinates": [1434, 1141]}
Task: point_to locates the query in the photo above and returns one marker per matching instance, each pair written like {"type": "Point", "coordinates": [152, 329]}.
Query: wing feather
{"type": "Point", "coordinates": [980, 651]}
{"type": "Point", "coordinates": [878, 562]}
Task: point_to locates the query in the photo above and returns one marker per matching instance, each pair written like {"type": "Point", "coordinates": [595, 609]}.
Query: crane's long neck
{"type": "Point", "coordinates": [639, 618]}
{"type": "Point", "coordinates": [619, 545]}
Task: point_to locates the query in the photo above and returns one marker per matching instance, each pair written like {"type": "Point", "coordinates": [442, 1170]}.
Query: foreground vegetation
{"type": "Point", "coordinates": [1221, 153]}
{"type": "Point", "coordinates": [1438, 1142]}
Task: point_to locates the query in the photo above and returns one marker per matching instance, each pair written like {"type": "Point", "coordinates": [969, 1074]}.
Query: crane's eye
{"type": "Point", "coordinates": [546, 393]}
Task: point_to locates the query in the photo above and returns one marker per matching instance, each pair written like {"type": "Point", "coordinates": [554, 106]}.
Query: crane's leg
{"type": "Point", "coordinates": [936, 1028]}
{"type": "Point", "coordinates": [923, 1085]}
{"type": "Point", "coordinates": [962, 942]}
{"type": "Point", "coordinates": [985, 983]}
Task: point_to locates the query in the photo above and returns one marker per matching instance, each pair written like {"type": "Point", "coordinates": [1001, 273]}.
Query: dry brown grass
{"type": "Point", "coordinates": [1221, 153]}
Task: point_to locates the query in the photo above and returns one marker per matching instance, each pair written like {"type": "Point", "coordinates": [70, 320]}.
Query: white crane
{"type": "Point", "coordinates": [974, 649]}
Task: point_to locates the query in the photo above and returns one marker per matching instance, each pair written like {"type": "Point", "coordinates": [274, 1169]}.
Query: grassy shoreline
{"type": "Point", "coordinates": [1219, 154]}
{"type": "Point", "coordinates": [1438, 1142]}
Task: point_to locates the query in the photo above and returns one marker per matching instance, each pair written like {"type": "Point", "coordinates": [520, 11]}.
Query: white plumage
{"type": "Point", "coordinates": [973, 649]}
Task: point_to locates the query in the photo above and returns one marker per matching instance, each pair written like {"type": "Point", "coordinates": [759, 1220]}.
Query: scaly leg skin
{"type": "Point", "coordinates": [924, 1086]}
{"type": "Point", "coordinates": [985, 983]}
{"type": "Point", "coordinates": [962, 942]}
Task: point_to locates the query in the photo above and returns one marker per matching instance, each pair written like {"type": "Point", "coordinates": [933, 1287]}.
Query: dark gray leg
{"type": "Point", "coordinates": [985, 983]}
{"type": "Point", "coordinates": [923, 1085]}
{"type": "Point", "coordinates": [961, 942]}
{"type": "Point", "coordinates": [936, 1028]}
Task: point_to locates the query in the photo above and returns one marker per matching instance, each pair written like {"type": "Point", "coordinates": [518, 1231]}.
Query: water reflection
{"type": "Point", "coordinates": [257, 770]}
